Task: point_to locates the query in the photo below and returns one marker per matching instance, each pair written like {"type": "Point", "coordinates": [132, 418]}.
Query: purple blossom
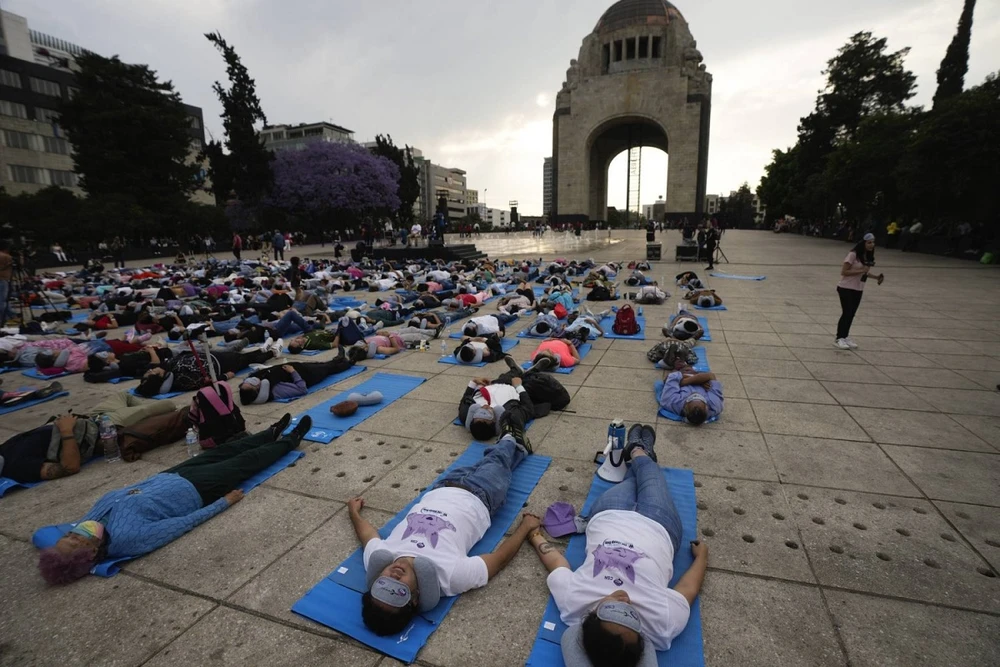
{"type": "Point", "coordinates": [326, 177]}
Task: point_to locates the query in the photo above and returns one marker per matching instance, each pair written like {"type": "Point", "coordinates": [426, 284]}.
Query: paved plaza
{"type": "Point", "coordinates": [849, 498]}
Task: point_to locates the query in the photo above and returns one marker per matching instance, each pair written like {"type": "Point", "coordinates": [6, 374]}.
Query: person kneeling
{"type": "Point", "coordinates": [618, 605]}
{"type": "Point", "coordinates": [141, 518]}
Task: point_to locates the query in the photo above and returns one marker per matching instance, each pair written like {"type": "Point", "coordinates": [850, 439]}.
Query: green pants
{"type": "Point", "coordinates": [216, 472]}
{"type": "Point", "coordinates": [127, 410]}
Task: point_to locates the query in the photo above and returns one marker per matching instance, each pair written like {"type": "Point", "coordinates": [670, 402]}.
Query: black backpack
{"type": "Point", "coordinates": [599, 293]}
{"type": "Point", "coordinates": [215, 414]}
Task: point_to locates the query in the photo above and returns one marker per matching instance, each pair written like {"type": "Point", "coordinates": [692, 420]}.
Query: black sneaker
{"type": "Point", "coordinates": [303, 427]}
{"type": "Point", "coordinates": [45, 392]}
{"type": "Point", "coordinates": [509, 427]}
{"type": "Point", "coordinates": [513, 366]}
{"type": "Point", "coordinates": [279, 426]}
{"type": "Point", "coordinates": [542, 363]}
{"type": "Point", "coordinates": [645, 440]}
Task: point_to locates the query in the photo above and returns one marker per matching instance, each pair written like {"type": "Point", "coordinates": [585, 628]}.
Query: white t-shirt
{"type": "Point", "coordinates": [499, 394]}
{"type": "Point", "coordinates": [485, 325]}
{"type": "Point", "coordinates": [442, 527]}
{"type": "Point", "coordinates": [627, 551]}
{"type": "Point", "coordinates": [438, 276]}
{"type": "Point", "coordinates": [415, 229]}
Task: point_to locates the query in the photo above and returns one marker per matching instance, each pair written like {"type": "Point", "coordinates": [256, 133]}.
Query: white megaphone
{"type": "Point", "coordinates": [613, 468]}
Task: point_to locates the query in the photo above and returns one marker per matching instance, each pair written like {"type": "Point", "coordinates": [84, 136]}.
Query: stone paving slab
{"type": "Point", "coordinates": [901, 437]}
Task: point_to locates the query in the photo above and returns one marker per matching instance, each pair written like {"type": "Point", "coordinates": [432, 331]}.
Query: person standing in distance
{"type": "Point", "coordinates": [6, 273]}
{"type": "Point", "coordinates": [853, 276]}
{"type": "Point", "coordinates": [278, 244]}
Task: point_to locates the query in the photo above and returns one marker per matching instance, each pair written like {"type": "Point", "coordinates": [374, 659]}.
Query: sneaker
{"type": "Point", "coordinates": [542, 363]}
{"type": "Point", "coordinates": [513, 365]}
{"type": "Point", "coordinates": [850, 343]}
{"type": "Point", "coordinates": [53, 388]}
{"type": "Point", "coordinates": [279, 426]}
{"type": "Point", "coordinates": [842, 344]}
{"type": "Point", "coordinates": [302, 428]}
{"type": "Point", "coordinates": [378, 325]}
{"type": "Point", "coordinates": [508, 427]}
{"type": "Point", "coordinates": [643, 439]}
{"type": "Point", "coordinates": [276, 348]}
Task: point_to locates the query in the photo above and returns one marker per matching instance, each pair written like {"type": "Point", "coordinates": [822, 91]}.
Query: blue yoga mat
{"type": "Point", "coordinates": [327, 426]}
{"type": "Point", "coordinates": [311, 353]}
{"type": "Point", "coordinates": [608, 333]}
{"type": "Point", "coordinates": [707, 338]}
{"type": "Point", "coordinates": [505, 343]}
{"type": "Point", "coordinates": [47, 536]}
{"type": "Point", "coordinates": [336, 600]}
{"type": "Point", "coordinates": [736, 277]}
{"type": "Point", "coordinates": [328, 382]}
{"type": "Point", "coordinates": [6, 484]}
{"type": "Point", "coordinates": [702, 365]}
{"type": "Point", "coordinates": [710, 308]}
{"type": "Point", "coordinates": [80, 316]}
{"type": "Point", "coordinates": [34, 373]}
{"type": "Point", "coordinates": [673, 416]}
{"type": "Point", "coordinates": [687, 649]}
{"type": "Point", "coordinates": [583, 350]}
{"type": "Point", "coordinates": [345, 302]}
{"type": "Point", "coordinates": [120, 379]}
{"type": "Point", "coordinates": [10, 369]}
{"type": "Point", "coordinates": [6, 410]}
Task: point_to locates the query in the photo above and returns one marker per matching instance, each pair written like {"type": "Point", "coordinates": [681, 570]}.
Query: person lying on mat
{"type": "Point", "coordinates": [673, 355]}
{"type": "Point", "coordinates": [485, 401]}
{"type": "Point", "coordinates": [515, 303]}
{"type": "Point", "coordinates": [289, 322]}
{"type": "Point", "coordinates": [706, 298]}
{"type": "Point", "coordinates": [690, 280]}
{"type": "Point", "coordinates": [697, 397]}
{"type": "Point", "coordinates": [638, 278]}
{"type": "Point", "coordinates": [289, 380]}
{"type": "Point", "coordinates": [318, 339]}
{"type": "Point", "coordinates": [484, 325]}
{"type": "Point", "coordinates": [143, 517]}
{"type": "Point", "coordinates": [685, 326]}
{"type": "Point", "coordinates": [12, 398]}
{"type": "Point", "coordinates": [576, 322]}
{"type": "Point", "coordinates": [426, 556]}
{"type": "Point", "coordinates": [559, 352]}
{"type": "Point", "coordinates": [475, 350]}
{"type": "Point", "coordinates": [618, 604]}
{"type": "Point", "coordinates": [106, 366]}
{"type": "Point", "coordinates": [392, 342]}
{"type": "Point", "coordinates": [545, 324]}
{"type": "Point", "coordinates": [55, 357]}
{"type": "Point", "coordinates": [650, 294]}
{"type": "Point", "coordinates": [185, 372]}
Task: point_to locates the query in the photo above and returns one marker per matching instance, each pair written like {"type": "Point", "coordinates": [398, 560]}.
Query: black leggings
{"type": "Point", "coordinates": [216, 472]}
{"type": "Point", "coordinates": [850, 299]}
{"type": "Point", "coordinates": [314, 373]}
{"type": "Point", "coordinates": [234, 362]}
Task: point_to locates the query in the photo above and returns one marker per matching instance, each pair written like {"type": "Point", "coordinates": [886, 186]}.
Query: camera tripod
{"type": "Point", "coordinates": [22, 284]}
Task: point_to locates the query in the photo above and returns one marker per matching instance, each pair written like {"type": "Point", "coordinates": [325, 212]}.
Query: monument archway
{"type": "Point", "coordinates": [638, 73]}
{"type": "Point", "coordinates": [608, 141]}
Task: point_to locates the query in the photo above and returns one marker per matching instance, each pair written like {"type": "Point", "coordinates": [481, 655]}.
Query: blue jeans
{"type": "Point", "coordinates": [644, 490]}
{"type": "Point", "coordinates": [489, 477]}
{"type": "Point", "coordinates": [225, 325]}
{"type": "Point", "coordinates": [504, 318]}
{"type": "Point", "coordinates": [289, 322]}
{"type": "Point", "coordinates": [4, 296]}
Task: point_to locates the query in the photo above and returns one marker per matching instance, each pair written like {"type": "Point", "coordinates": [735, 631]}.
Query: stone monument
{"type": "Point", "coordinates": [638, 80]}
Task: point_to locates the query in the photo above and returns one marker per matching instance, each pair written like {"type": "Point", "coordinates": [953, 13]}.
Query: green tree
{"type": "Point", "coordinates": [738, 210]}
{"type": "Point", "coordinates": [951, 165]}
{"type": "Point", "coordinates": [863, 80]}
{"type": "Point", "coordinates": [219, 171]}
{"type": "Point", "coordinates": [409, 175]}
{"type": "Point", "coordinates": [131, 137]}
{"type": "Point", "coordinates": [955, 65]}
{"type": "Point", "coordinates": [248, 162]}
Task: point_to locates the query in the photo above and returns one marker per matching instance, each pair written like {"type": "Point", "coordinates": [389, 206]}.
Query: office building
{"type": "Point", "coordinates": [435, 181]}
{"type": "Point", "coordinates": [547, 186]}
{"type": "Point", "coordinates": [295, 137]}
{"type": "Point", "coordinates": [36, 74]}
{"type": "Point", "coordinates": [471, 197]}
{"type": "Point", "coordinates": [497, 217]}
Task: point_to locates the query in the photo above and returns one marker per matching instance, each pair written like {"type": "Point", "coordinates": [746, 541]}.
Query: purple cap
{"type": "Point", "coordinates": [560, 519]}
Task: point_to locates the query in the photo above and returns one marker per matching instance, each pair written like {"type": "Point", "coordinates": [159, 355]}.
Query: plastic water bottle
{"type": "Point", "coordinates": [109, 440]}
{"type": "Point", "coordinates": [191, 440]}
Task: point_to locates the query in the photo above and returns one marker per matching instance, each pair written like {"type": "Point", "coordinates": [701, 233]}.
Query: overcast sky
{"type": "Point", "coordinates": [473, 83]}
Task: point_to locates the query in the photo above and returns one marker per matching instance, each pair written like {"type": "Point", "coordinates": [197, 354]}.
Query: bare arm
{"type": "Point", "coordinates": [503, 554]}
{"type": "Point", "coordinates": [362, 527]}
{"type": "Point", "coordinates": [690, 584]}
{"type": "Point", "coordinates": [547, 552]}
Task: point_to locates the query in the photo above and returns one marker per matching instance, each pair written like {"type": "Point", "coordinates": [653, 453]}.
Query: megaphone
{"type": "Point", "coordinates": [613, 468]}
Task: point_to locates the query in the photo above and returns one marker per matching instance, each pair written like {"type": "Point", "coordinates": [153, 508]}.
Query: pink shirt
{"type": "Point", "coordinates": [852, 282]}
{"type": "Point", "coordinates": [559, 348]}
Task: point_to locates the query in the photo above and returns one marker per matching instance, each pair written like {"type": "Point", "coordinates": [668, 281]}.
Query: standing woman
{"type": "Point", "coordinates": [853, 275]}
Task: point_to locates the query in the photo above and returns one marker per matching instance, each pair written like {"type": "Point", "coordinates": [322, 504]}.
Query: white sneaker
{"type": "Point", "coordinates": [850, 343]}
{"type": "Point", "coordinates": [842, 344]}
{"type": "Point", "coordinates": [276, 347]}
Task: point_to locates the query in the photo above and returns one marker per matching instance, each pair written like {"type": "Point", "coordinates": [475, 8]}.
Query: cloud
{"type": "Point", "coordinates": [543, 100]}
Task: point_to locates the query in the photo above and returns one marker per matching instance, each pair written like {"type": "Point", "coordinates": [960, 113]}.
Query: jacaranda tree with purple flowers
{"type": "Point", "coordinates": [333, 183]}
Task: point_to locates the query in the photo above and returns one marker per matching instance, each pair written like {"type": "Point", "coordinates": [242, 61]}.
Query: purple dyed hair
{"type": "Point", "coordinates": [59, 568]}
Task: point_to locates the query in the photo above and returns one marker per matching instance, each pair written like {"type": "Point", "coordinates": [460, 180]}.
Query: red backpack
{"type": "Point", "coordinates": [215, 414]}
{"type": "Point", "coordinates": [625, 322]}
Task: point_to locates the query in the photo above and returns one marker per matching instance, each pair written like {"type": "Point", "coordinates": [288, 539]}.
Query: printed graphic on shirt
{"type": "Point", "coordinates": [427, 524]}
{"type": "Point", "coordinates": [616, 555]}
